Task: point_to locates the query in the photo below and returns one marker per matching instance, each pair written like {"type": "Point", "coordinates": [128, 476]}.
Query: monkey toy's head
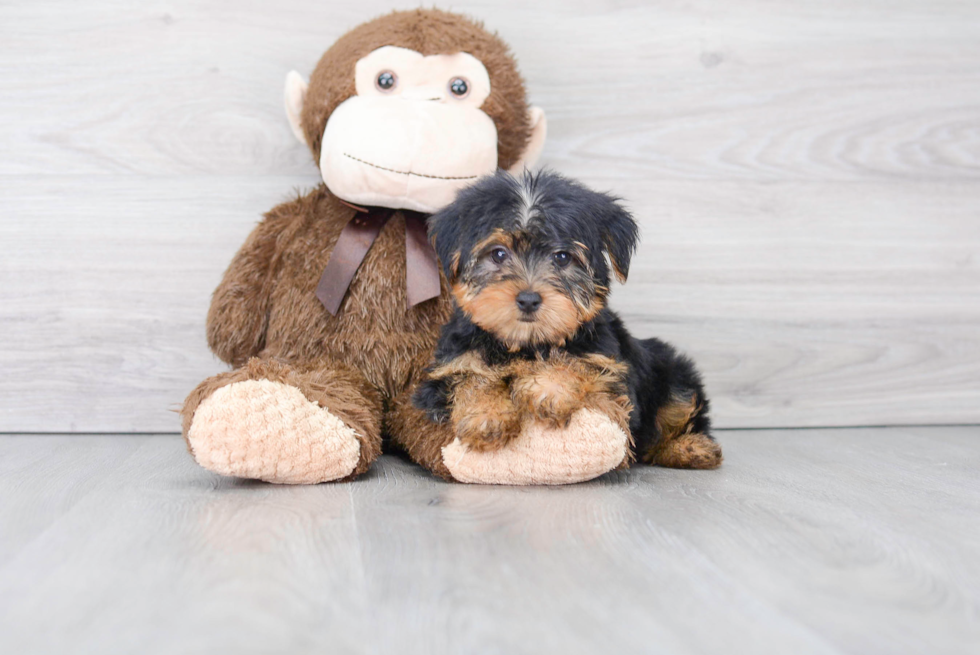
{"type": "Point", "coordinates": [405, 110]}
{"type": "Point", "coordinates": [526, 256]}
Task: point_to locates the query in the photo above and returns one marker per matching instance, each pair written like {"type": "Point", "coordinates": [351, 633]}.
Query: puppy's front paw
{"type": "Point", "coordinates": [488, 426]}
{"type": "Point", "coordinates": [432, 397]}
{"type": "Point", "coordinates": [483, 416]}
{"type": "Point", "coordinates": [550, 394]}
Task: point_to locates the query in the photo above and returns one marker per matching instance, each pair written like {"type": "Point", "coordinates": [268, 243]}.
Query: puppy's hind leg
{"type": "Point", "coordinates": [683, 437]}
{"type": "Point", "coordinates": [683, 443]}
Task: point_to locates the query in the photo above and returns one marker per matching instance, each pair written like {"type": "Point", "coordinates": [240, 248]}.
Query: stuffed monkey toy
{"type": "Point", "coordinates": [330, 311]}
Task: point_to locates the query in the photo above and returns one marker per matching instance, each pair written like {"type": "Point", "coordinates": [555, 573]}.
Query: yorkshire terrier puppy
{"type": "Point", "coordinates": [531, 336]}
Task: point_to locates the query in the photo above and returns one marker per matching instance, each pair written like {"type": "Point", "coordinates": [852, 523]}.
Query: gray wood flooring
{"type": "Point", "coordinates": [808, 541]}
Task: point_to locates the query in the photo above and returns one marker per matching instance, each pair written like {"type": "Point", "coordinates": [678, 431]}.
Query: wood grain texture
{"type": "Point", "coordinates": [806, 177]}
{"type": "Point", "coordinates": [805, 541]}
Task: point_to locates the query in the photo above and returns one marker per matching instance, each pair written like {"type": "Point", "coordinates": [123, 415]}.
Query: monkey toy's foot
{"type": "Point", "coordinates": [590, 445]}
{"type": "Point", "coordinates": [270, 431]}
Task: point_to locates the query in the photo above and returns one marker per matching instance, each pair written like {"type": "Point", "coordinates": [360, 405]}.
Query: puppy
{"type": "Point", "coordinates": [531, 335]}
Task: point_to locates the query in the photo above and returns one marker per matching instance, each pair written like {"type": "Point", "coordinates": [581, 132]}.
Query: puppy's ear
{"type": "Point", "coordinates": [619, 235]}
{"type": "Point", "coordinates": [446, 236]}
{"type": "Point", "coordinates": [477, 209]}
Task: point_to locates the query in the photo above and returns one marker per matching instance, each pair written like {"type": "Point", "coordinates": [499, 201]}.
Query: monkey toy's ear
{"type": "Point", "coordinates": [295, 95]}
{"type": "Point", "coordinates": [535, 144]}
{"type": "Point", "coordinates": [619, 235]}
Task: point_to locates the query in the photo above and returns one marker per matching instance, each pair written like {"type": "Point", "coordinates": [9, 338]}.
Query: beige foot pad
{"type": "Point", "coordinates": [269, 431]}
{"type": "Point", "coordinates": [589, 446]}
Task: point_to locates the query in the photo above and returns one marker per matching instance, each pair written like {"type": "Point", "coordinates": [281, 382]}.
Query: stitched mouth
{"type": "Point", "coordinates": [526, 319]}
{"type": "Point", "coordinates": [410, 173]}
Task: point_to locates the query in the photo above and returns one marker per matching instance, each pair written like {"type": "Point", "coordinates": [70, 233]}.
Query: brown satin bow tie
{"type": "Point", "coordinates": [421, 265]}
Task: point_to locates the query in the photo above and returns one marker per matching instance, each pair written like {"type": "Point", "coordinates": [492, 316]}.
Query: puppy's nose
{"type": "Point", "coordinates": [529, 301]}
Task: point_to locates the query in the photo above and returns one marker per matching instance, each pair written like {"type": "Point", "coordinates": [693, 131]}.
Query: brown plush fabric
{"type": "Point", "coordinates": [430, 32]}
{"type": "Point", "coordinates": [266, 319]}
{"type": "Point", "coordinates": [373, 332]}
{"type": "Point", "coordinates": [422, 439]}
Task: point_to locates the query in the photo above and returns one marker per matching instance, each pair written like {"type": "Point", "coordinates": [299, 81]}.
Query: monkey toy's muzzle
{"type": "Point", "coordinates": [405, 153]}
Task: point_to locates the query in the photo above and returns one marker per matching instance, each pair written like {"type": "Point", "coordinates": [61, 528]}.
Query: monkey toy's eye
{"type": "Point", "coordinates": [386, 81]}
{"type": "Point", "coordinates": [562, 259]}
{"type": "Point", "coordinates": [459, 87]}
{"type": "Point", "coordinates": [499, 255]}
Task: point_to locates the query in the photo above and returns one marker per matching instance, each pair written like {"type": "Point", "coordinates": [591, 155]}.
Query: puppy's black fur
{"type": "Point", "coordinates": [557, 235]}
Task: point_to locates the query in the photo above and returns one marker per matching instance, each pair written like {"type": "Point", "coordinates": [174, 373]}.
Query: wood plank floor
{"type": "Point", "coordinates": [806, 541]}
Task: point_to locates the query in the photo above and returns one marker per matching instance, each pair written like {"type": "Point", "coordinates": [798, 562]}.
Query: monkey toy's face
{"type": "Point", "coordinates": [414, 133]}
{"type": "Point", "coordinates": [434, 104]}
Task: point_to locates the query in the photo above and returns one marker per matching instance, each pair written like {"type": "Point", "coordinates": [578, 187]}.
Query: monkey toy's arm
{"type": "Point", "coordinates": [239, 313]}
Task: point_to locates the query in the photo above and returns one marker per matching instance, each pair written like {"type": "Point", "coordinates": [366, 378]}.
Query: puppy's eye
{"type": "Point", "coordinates": [499, 255]}
{"type": "Point", "coordinates": [459, 87]}
{"type": "Point", "coordinates": [562, 259]}
{"type": "Point", "coordinates": [386, 81]}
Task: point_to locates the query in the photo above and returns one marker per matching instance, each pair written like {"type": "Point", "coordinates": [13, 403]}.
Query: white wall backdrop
{"type": "Point", "coordinates": [807, 176]}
